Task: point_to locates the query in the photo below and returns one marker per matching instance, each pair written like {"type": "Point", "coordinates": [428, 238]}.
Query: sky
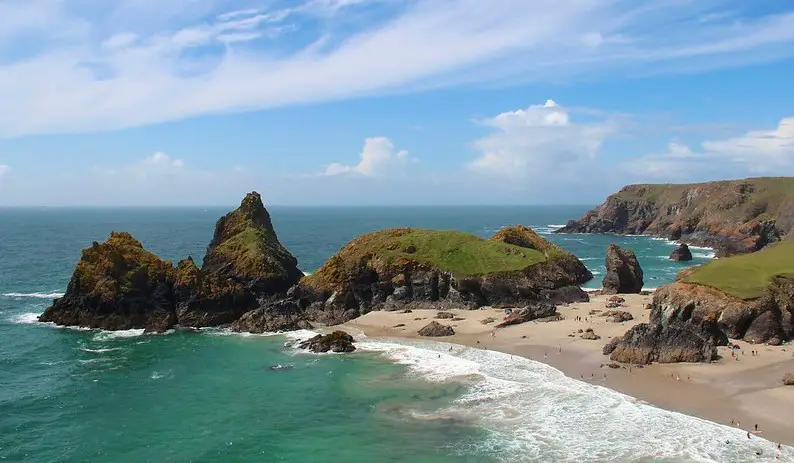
{"type": "Point", "coordinates": [387, 102]}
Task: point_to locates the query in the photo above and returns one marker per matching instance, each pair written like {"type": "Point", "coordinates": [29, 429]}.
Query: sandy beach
{"type": "Point", "coordinates": [742, 392]}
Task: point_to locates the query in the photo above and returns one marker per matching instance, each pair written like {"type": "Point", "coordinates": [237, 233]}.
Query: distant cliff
{"type": "Point", "coordinates": [733, 217]}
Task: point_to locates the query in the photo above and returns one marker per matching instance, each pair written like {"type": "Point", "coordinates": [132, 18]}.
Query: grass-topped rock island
{"type": "Point", "coordinates": [251, 281]}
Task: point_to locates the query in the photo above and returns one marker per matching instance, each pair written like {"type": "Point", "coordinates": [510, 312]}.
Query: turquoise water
{"type": "Point", "coordinates": [80, 395]}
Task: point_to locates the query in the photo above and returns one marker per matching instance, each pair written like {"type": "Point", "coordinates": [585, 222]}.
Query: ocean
{"type": "Point", "coordinates": [93, 396]}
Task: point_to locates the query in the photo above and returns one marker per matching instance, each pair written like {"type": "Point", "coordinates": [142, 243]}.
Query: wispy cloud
{"type": "Point", "coordinates": [97, 65]}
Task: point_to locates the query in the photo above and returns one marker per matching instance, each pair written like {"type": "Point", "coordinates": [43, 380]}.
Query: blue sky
{"type": "Point", "coordinates": [321, 102]}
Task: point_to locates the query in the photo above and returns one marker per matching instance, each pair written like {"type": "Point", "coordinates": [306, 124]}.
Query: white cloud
{"type": "Point", "coordinates": [378, 158]}
{"type": "Point", "coordinates": [755, 152]}
{"type": "Point", "coordinates": [4, 171]}
{"type": "Point", "coordinates": [97, 65]}
{"type": "Point", "coordinates": [538, 142]}
{"type": "Point", "coordinates": [157, 165]}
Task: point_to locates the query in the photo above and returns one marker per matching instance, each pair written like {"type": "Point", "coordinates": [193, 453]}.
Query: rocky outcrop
{"type": "Point", "coordinates": [565, 295]}
{"type": "Point", "coordinates": [338, 342]}
{"type": "Point", "coordinates": [273, 317]}
{"type": "Point", "coordinates": [732, 217]}
{"type": "Point", "coordinates": [208, 300]}
{"type": "Point", "coordinates": [412, 268]}
{"type": "Point", "coordinates": [436, 330]}
{"type": "Point", "coordinates": [624, 274]}
{"type": "Point", "coordinates": [682, 253]}
{"type": "Point", "coordinates": [617, 316]}
{"type": "Point", "coordinates": [529, 313]}
{"type": "Point", "coordinates": [117, 285]}
{"type": "Point", "coordinates": [246, 250]}
{"type": "Point", "coordinates": [590, 335]}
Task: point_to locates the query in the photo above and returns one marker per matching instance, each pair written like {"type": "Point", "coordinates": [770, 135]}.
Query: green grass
{"type": "Point", "coordinates": [461, 253]}
{"type": "Point", "coordinates": [392, 250]}
{"type": "Point", "coordinates": [747, 275]}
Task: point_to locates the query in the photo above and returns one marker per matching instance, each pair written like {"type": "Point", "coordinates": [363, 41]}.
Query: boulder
{"type": "Point", "coordinates": [444, 315]}
{"type": "Point", "coordinates": [337, 342]}
{"type": "Point", "coordinates": [682, 253]}
{"type": "Point", "coordinates": [590, 335]}
{"type": "Point", "coordinates": [565, 295]}
{"type": "Point", "coordinates": [624, 274]}
{"type": "Point", "coordinates": [117, 285]}
{"type": "Point", "coordinates": [788, 379]}
{"type": "Point", "coordinates": [272, 317]}
{"type": "Point", "coordinates": [246, 250]}
{"type": "Point", "coordinates": [617, 316]}
{"type": "Point", "coordinates": [529, 313]}
{"type": "Point", "coordinates": [435, 329]}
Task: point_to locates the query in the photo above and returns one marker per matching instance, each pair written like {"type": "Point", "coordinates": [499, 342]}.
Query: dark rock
{"type": "Point", "coordinates": [565, 295]}
{"type": "Point", "coordinates": [338, 342]}
{"type": "Point", "coordinates": [616, 299]}
{"type": "Point", "coordinates": [614, 366]}
{"type": "Point", "coordinates": [788, 379]}
{"type": "Point", "coordinates": [399, 325]}
{"type": "Point", "coordinates": [529, 313]}
{"type": "Point", "coordinates": [765, 326]}
{"type": "Point", "coordinates": [487, 320]}
{"type": "Point", "coordinates": [611, 346]}
{"type": "Point", "coordinates": [246, 250]}
{"type": "Point", "coordinates": [682, 253]}
{"type": "Point", "coordinates": [272, 317]}
{"type": "Point", "coordinates": [444, 315]}
{"type": "Point", "coordinates": [624, 274]}
{"type": "Point", "coordinates": [617, 316]}
{"type": "Point", "coordinates": [117, 285]}
{"type": "Point", "coordinates": [436, 329]}
{"type": "Point", "coordinates": [590, 335]}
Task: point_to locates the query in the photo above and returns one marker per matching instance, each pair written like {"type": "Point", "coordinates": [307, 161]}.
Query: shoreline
{"type": "Point", "coordinates": [747, 391]}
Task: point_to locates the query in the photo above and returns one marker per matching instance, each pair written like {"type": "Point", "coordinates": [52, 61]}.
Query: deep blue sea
{"type": "Point", "coordinates": [93, 396]}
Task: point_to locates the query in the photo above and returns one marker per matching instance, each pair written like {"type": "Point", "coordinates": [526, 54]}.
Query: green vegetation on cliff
{"type": "Point", "coordinates": [119, 264]}
{"type": "Point", "coordinates": [746, 276]}
{"type": "Point", "coordinates": [461, 254]}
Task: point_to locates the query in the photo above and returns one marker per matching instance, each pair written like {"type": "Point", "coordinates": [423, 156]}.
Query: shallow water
{"type": "Point", "coordinates": [82, 395]}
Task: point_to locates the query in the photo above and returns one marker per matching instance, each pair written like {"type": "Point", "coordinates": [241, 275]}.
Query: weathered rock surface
{"type": "Point", "coordinates": [391, 270]}
{"type": "Point", "coordinates": [617, 316]}
{"type": "Point", "coordinates": [788, 379]}
{"type": "Point", "coordinates": [624, 274]}
{"type": "Point", "coordinates": [529, 313]}
{"type": "Point", "coordinates": [733, 217]}
{"type": "Point", "coordinates": [246, 250]}
{"type": "Point", "coordinates": [589, 334]}
{"type": "Point", "coordinates": [435, 329]}
{"type": "Point", "coordinates": [676, 333]}
{"type": "Point", "coordinates": [444, 315]}
{"type": "Point", "coordinates": [117, 285]}
{"type": "Point", "coordinates": [338, 342]}
{"type": "Point", "coordinates": [565, 295]}
{"type": "Point", "coordinates": [682, 253]}
{"type": "Point", "coordinates": [272, 317]}
{"type": "Point", "coordinates": [208, 300]}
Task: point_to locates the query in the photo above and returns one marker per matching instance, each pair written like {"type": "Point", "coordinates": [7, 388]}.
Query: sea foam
{"type": "Point", "coordinates": [51, 295]}
{"type": "Point", "coordinates": [536, 413]}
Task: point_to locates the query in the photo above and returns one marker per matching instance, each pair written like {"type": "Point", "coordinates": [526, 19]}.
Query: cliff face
{"type": "Point", "coordinates": [120, 285]}
{"type": "Point", "coordinates": [734, 217]}
{"type": "Point", "coordinates": [688, 321]}
{"type": "Point", "coordinates": [396, 268]}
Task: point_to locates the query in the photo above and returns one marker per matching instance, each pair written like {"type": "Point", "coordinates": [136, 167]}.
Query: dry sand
{"type": "Point", "coordinates": [748, 391]}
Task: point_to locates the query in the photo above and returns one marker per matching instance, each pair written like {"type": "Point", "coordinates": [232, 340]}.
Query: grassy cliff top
{"type": "Point", "coordinates": [746, 276]}
{"type": "Point", "coordinates": [462, 254]}
{"type": "Point", "coordinates": [758, 194]}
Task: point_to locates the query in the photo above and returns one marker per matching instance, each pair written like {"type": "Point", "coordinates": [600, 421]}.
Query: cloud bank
{"type": "Point", "coordinates": [95, 65]}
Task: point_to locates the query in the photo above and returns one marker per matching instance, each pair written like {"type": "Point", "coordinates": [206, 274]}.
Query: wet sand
{"type": "Point", "coordinates": [748, 391]}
